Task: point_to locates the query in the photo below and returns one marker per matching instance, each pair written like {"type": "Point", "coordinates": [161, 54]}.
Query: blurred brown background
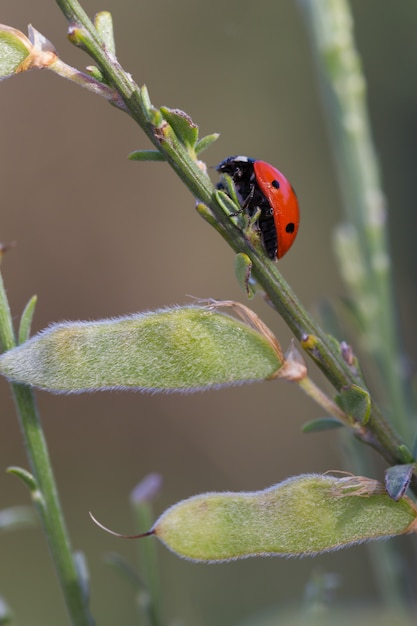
{"type": "Point", "coordinates": [100, 236]}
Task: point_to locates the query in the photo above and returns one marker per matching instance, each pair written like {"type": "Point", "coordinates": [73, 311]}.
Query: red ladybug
{"type": "Point", "coordinates": [261, 187]}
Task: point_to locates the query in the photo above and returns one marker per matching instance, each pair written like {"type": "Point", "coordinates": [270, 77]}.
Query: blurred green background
{"type": "Point", "coordinates": [100, 236]}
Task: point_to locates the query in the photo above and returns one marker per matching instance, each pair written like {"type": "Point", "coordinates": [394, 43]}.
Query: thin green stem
{"type": "Point", "coordinates": [74, 13]}
{"type": "Point", "coordinates": [325, 352]}
{"type": "Point", "coordinates": [148, 562]}
{"type": "Point", "coordinates": [315, 393]}
{"type": "Point", "coordinates": [47, 501]}
{"type": "Point", "coordinates": [84, 80]}
{"type": "Point", "coordinates": [45, 495]}
{"type": "Point", "coordinates": [361, 245]}
{"type": "Point", "coordinates": [365, 262]}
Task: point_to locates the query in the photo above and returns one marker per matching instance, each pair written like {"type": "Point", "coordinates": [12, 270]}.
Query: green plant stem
{"type": "Point", "coordinates": [326, 354]}
{"type": "Point", "coordinates": [47, 502]}
{"type": "Point", "coordinates": [362, 245]}
{"type": "Point", "coordinates": [86, 81]}
{"type": "Point", "coordinates": [368, 272]}
{"type": "Point", "coordinates": [45, 495]}
{"type": "Point", "coordinates": [148, 562]}
{"type": "Point", "coordinates": [319, 397]}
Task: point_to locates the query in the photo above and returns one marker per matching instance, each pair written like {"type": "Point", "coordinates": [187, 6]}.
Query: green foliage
{"type": "Point", "coordinates": [194, 348]}
{"type": "Point", "coordinates": [397, 480]}
{"type": "Point", "coordinates": [103, 22]}
{"type": "Point", "coordinates": [26, 320]}
{"type": "Point", "coordinates": [356, 402]}
{"type": "Point", "coordinates": [320, 424]}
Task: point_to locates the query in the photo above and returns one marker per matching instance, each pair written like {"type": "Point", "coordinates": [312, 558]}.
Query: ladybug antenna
{"type": "Point", "coordinates": [120, 535]}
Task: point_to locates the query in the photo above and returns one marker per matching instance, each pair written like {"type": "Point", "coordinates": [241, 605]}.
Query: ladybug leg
{"type": "Point", "coordinates": [251, 207]}
{"type": "Point", "coordinates": [249, 199]}
{"type": "Point", "coordinates": [246, 204]}
{"type": "Point", "coordinates": [250, 210]}
{"type": "Point", "coordinates": [254, 218]}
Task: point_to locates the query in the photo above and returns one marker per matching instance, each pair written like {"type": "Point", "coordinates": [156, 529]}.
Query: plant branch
{"type": "Point", "coordinates": [44, 492]}
{"type": "Point", "coordinates": [361, 244]}
{"type": "Point", "coordinates": [324, 351]}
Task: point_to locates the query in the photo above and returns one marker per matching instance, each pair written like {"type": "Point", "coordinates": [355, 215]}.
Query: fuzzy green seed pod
{"type": "Point", "coordinates": [178, 349]}
{"type": "Point", "coordinates": [304, 515]}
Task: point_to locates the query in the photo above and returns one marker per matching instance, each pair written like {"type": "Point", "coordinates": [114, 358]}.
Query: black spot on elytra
{"type": "Point", "coordinates": [290, 227]}
{"type": "Point", "coordinates": [275, 184]}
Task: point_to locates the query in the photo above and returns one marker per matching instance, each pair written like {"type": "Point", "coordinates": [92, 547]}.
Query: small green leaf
{"type": "Point", "coordinates": [25, 476]}
{"type": "Point", "coordinates": [230, 203]}
{"type": "Point", "coordinates": [320, 424]}
{"type": "Point", "coordinates": [405, 453]}
{"type": "Point", "coordinates": [178, 349]}
{"type": "Point", "coordinates": [15, 48]}
{"type": "Point", "coordinates": [227, 198]}
{"type": "Point", "coordinates": [96, 73]}
{"type": "Point", "coordinates": [397, 480]}
{"type": "Point", "coordinates": [205, 142]}
{"type": "Point", "coordinates": [204, 211]}
{"type": "Point", "coordinates": [146, 155]}
{"type": "Point", "coordinates": [17, 517]}
{"type": "Point", "coordinates": [26, 320]}
{"type": "Point", "coordinates": [147, 104]}
{"type": "Point", "coordinates": [304, 515]}
{"type": "Point", "coordinates": [183, 126]}
{"type": "Point", "coordinates": [356, 402]}
{"type": "Point", "coordinates": [243, 268]}
{"type": "Point", "coordinates": [103, 22]}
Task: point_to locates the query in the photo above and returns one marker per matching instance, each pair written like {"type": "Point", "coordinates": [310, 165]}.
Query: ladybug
{"type": "Point", "coordinates": [261, 188]}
